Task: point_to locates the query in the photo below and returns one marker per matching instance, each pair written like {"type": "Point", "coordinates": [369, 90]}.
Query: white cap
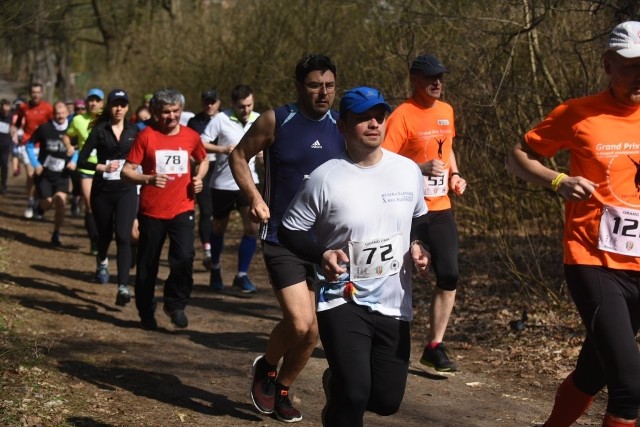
{"type": "Point", "coordinates": [625, 39]}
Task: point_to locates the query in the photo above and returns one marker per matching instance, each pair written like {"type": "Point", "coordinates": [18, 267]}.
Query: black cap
{"type": "Point", "coordinates": [116, 94]}
{"type": "Point", "coordinates": [210, 95]}
{"type": "Point", "coordinates": [429, 65]}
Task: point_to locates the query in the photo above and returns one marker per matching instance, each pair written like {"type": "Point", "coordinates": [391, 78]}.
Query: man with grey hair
{"type": "Point", "coordinates": [163, 150]}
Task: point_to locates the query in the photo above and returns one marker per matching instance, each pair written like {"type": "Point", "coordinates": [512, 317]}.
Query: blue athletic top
{"type": "Point", "coordinates": [300, 146]}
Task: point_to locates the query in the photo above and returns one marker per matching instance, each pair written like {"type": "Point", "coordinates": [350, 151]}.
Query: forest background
{"type": "Point", "coordinates": [510, 63]}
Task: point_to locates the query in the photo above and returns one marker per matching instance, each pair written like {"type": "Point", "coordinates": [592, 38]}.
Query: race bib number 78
{"type": "Point", "coordinates": [172, 162]}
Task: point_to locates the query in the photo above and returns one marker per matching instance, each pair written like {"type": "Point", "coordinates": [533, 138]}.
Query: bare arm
{"type": "Point", "coordinates": [456, 182]}
{"type": "Point", "coordinates": [130, 173]}
{"type": "Point", "coordinates": [258, 138]}
{"type": "Point", "coordinates": [523, 162]}
{"type": "Point", "coordinates": [201, 170]}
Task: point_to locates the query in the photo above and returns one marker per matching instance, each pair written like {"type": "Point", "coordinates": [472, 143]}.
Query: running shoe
{"type": "Point", "coordinates": [244, 284]}
{"type": "Point", "coordinates": [178, 318]}
{"type": "Point", "coordinates": [215, 280]}
{"type": "Point", "coordinates": [438, 359]}
{"type": "Point", "coordinates": [38, 212]}
{"type": "Point", "coordinates": [206, 261]}
{"type": "Point", "coordinates": [123, 296]}
{"type": "Point", "coordinates": [263, 388]}
{"type": "Point", "coordinates": [149, 323]}
{"type": "Point", "coordinates": [55, 239]}
{"type": "Point", "coordinates": [28, 213]}
{"type": "Point", "coordinates": [102, 274]}
{"type": "Point", "coordinates": [284, 409]}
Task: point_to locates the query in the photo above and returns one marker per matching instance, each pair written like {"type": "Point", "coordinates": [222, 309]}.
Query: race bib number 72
{"type": "Point", "coordinates": [376, 258]}
{"type": "Point", "coordinates": [172, 162]}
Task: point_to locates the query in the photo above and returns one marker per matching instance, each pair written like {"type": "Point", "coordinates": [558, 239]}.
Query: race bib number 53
{"type": "Point", "coordinates": [620, 231]}
{"type": "Point", "coordinates": [376, 258]}
{"type": "Point", "coordinates": [172, 162]}
{"type": "Point", "coordinates": [435, 186]}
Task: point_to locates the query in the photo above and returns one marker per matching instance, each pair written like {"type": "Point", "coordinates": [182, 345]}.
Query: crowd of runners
{"type": "Point", "coordinates": [349, 204]}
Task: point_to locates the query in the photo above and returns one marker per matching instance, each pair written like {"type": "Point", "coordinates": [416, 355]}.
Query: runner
{"type": "Point", "coordinates": [601, 254]}
{"type": "Point", "coordinates": [79, 131]}
{"type": "Point", "coordinates": [220, 136]}
{"type": "Point", "coordinates": [296, 138]}
{"type": "Point", "coordinates": [52, 166]}
{"type": "Point", "coordinates": [7, 132]}
{"type": "Point", "coordinates": [163, 150]}
{"type": "Point", "coordinates": [422, 129]}
{"type": "Point", "coordinates": [210, 107]}
{"type": "Point", "coordinates": [361, 207]}
{"type": "Point", "coordinates": [31, 115]}
{"type": "Point", "coordinates": [113, 201]}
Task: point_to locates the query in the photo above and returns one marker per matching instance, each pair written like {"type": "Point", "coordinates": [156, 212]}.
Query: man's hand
{"type": "Point", "coordinates": [197, 184]}
{"type": "Point", "coordinates": [70, 150]}
{"type": "Point", "coordinates": [259, 211]}
{"type": "Point", "coordinates": [576, 188]}
{"type": "Point", "coordinates": [421, 257]}
{"type": "Point", "coordinates": [458, 184]}
{"type": "Point", "coordinates": [159, 180]}
{"type": "Point", "coordinates": [71, 166]}
{"type": "Point", "coordinates": [38, 170]}
{"type": "Point", "coordinates": [433, 167]}
{"type": "Point", "coordinates": [332, 264]}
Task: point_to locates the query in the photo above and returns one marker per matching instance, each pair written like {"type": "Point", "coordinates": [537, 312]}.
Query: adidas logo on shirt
{"type": "Point", "coordinates": [316, 144]}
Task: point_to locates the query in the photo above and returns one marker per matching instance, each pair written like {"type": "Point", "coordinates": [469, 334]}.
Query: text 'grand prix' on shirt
{"type": "Point", "coordinates": [603, 139]}
{"type": "Point", "coordinates": [423, 134]}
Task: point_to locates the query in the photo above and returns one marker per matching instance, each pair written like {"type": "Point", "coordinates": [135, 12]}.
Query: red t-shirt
{"type": "Point", "coordinates": [603, 141]}
{"type": "Point", "coordinates": [32, 116]}
{"type": "Point", "coordinates": [157, 152]}
{"type": "Point", "coordinates": [424, 134]}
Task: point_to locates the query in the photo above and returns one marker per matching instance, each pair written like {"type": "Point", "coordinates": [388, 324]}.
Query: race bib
{"type": "Point", "coordinates": [620, 231]}
{"type": "Point", "coordinates": [54, 164]}
{"type": "Point", "coordinates": [172, 162]}
{"type": "Point", "coordinates": [115, 175]}
{"type": "Point", "coordinates": [4, 127]}
{"type": "Point", "coordinates": [436, 185]}
{"type": "Point", "coordinates": [376, 258]}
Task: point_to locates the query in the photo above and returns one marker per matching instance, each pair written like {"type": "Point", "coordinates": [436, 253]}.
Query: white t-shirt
{"type": "Point", "coordinates": [185, 116]}
{"type": "Point", "coordinates": [227, 129]}
{"type": "Point", "coordinates": [370, 211]}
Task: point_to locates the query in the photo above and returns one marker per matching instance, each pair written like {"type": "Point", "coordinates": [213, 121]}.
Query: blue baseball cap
{"type": "Point", "coordinates": [362, 98]}
{"type": "Point", "coordinates": [98, 93]}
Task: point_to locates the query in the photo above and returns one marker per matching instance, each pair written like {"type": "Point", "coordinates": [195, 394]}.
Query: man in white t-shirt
{"type": "Point", "coordinates": [362, 209]}
{"type": "Point", "coordinates": [225, 131]}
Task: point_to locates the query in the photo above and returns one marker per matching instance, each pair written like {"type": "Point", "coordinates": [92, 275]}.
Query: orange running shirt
{"type": "Point", "coordinates": [423, 134]}
{"type": "Point", "coordinates": [603, 140]}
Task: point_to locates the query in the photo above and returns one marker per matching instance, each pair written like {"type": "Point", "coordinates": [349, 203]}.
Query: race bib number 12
{"type": "Point", "coordinates": [620, 231]}
{"type": "Point", "coordinates": [172, 162]}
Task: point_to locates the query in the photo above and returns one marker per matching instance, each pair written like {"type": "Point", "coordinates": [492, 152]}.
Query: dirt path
{"type": "Point", "coordinates": [88, 363]}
